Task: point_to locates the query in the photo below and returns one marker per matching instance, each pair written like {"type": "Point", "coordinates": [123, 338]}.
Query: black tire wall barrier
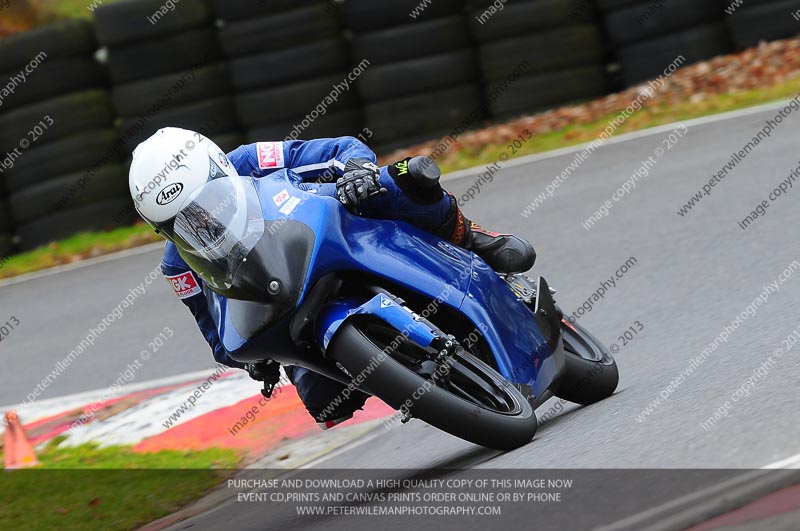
{"type": "Point", "coordinates": [56, 135]}
{"type": "Point", "coordinates": [285, 58]}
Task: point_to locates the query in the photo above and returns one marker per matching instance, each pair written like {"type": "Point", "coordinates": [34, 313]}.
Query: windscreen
{"type": "Point", "coordinates": [217, 227]}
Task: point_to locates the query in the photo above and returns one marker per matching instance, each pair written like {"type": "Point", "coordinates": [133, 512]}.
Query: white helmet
{"type": "Point", "coordinates": [167, 168]}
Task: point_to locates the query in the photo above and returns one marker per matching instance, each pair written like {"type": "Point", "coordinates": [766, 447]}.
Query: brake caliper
{"type": "Point", "coordinates": [446, 347]}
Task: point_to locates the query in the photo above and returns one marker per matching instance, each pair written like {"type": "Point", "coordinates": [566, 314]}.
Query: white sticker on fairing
{"type": "Point", "coordinates": [290, 205]}
{"type": "Point", "coordinates": [270, 155]}
{"type": "Point", "coordinates": [281, 197]}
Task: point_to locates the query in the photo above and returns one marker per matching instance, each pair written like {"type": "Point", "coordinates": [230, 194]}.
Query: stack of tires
{"type": "Point", "coordinates": [166, 69]}
{"type": "Point", "coordinates": [62, 169]}
{"type": "Point", "coordinates": [421, 81]}
{"type": "Point", "coordinates": [286, 57]}
{"type": "Point", "coordinates": [764, 20]}
{"type": "Point", "coordinates": [537, 54]}
{"type": "Point", "coordinates": [648, 36]}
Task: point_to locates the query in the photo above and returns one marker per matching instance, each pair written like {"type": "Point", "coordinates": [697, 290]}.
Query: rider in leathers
{"type": "Point", "coordinates": [346, 169]}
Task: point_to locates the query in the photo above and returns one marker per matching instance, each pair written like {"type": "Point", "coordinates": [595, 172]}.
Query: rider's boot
{"type": "Point", "coordinates": [331, 416]}
{"type": "Point", "coordinates": [504, 253]}
{"type": "Point", "coordinates": [324, 398]}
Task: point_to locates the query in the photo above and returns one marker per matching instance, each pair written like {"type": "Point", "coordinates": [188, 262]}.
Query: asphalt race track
{"type": "Point", "coordinates": [692, 276]}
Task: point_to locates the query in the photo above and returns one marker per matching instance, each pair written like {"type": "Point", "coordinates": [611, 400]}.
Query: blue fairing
{"type": "Point", "coordinates": [413, 259]}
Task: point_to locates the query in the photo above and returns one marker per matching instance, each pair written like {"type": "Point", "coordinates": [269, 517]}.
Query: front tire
{"type": "Point", "coordinates": [362, 348]}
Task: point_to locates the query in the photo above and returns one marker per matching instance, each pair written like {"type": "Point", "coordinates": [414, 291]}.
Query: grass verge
{"type": "Point", "coordinates": [113, 489]}
{"type": "Point", "coordinates": [94, 244]}
{"type": "Point", "coordinates": [647, 117]}
{"type": "Point", "coordinates": [49, 11]}
{"type": "Point", "coordinates": [76, 248]}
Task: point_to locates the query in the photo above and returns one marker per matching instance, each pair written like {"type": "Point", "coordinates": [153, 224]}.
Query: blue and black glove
{"type": "Point", "coordinates": [267, 371]}
{"type": "Point", "coordinates": [361, 180]}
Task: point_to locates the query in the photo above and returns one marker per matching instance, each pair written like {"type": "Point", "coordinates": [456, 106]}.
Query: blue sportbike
{"type": "Point", "coordinates": [387, 309]}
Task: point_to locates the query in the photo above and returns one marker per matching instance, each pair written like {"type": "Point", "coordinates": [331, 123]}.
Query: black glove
{"type": "Point", "coordinates": [361, 180]}
{"type": "Point", "coordinates": [266, 371]}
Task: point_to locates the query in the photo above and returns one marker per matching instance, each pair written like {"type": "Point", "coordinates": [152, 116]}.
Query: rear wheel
{"type": "Point", "coordinates": [591, 373]}
{"type": "Point", "coordinates": [463, 396]}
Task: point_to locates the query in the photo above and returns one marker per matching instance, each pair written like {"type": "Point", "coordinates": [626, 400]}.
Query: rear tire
{"type": "Point", "coordinates": [396, 384]}
{"type": "Point", "coordinates": [590, 374]}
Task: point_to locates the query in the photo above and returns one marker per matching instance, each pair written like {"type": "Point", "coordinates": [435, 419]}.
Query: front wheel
{"type": "Point", "coordinates": [468, 399]}
{"type": "Point", "coordinates": [590, 374]}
